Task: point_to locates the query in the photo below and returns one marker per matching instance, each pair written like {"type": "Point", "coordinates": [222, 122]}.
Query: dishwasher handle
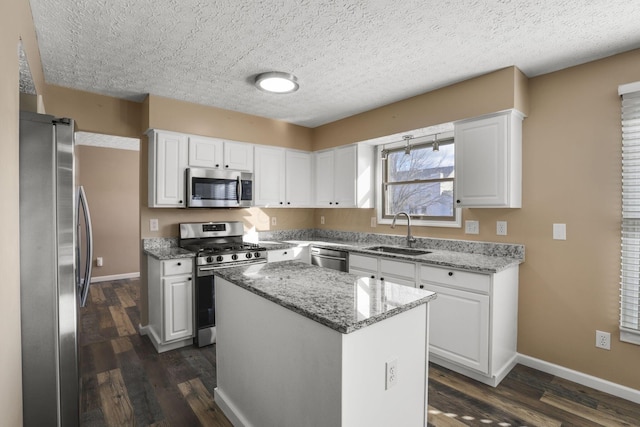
{"type": "Point", "coordinates": [330, 257]}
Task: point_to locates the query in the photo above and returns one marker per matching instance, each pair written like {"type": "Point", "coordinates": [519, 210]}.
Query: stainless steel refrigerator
{"type": "Point", "coordinates": [54, 224]}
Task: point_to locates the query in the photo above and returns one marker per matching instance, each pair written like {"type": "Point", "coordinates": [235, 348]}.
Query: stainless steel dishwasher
{"type": "Point", "coordinates": [330, 258]}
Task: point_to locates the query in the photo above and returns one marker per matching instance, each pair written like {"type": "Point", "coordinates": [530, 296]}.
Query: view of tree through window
{"type": "Point", "coordinates": [420, 183]}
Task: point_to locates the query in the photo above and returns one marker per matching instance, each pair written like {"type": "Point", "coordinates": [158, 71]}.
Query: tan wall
{"type": "Point", "coordinates": [110, 177]}
{"type": "Point", "coordinates": [15, 23]}
{"type": "Point", "coordinates": [497, 91]}
{"type": "Point", "coordinates": [95, 113]}
{"type": "Point", "coordinates": [572, 172]}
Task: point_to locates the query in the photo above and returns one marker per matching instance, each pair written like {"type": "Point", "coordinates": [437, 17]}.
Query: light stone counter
{"type": "Point", "coordinates": [343, 302]}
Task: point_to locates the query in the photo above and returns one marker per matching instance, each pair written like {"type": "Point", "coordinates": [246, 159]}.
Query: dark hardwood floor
{"type": "Point", "coordinates": [126, 383]}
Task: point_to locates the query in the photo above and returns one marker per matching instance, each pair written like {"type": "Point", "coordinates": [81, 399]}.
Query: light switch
{"type": "Point", "coordinates": [153, 224]}
{"type": "Point", "coordinates": [560, 231]}
{"type": "Point", "coordinates": [471, 227]}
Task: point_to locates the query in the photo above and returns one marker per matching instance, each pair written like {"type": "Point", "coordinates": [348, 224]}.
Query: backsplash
{"type": "Point", "coordinates": [507, 250]}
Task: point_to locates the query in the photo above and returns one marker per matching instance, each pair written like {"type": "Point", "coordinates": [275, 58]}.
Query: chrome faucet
{"type": "Point", "coordinates": [410, 239]}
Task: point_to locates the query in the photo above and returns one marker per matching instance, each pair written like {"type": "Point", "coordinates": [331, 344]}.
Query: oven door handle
{"type": "Point", "coordinates": [208, 268]}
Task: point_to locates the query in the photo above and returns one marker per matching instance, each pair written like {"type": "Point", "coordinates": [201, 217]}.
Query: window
{"type": "Point", "coordinates": [630, 269]}
{"type": "Point", "coordinates": [419, 181]}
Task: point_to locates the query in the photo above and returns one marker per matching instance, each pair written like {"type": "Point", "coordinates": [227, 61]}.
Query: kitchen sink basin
{"type": "Point", "coordinates": [397, 250]}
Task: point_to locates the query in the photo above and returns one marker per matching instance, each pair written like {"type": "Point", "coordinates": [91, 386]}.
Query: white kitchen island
{"type": "Point", "coordinates": [300, 345]}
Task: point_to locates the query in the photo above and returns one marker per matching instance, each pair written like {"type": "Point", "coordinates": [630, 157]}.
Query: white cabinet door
{"type": "Point", "coordinates": [269, 176]}
{"type": "Point", "coordinates": [178, 307]}
{"type": "Point", "coordinates": [459, 327]}
{"type": "Point", "coordinates": [238, 156]}
{"type": "Point", "coordinates": [399, 272]}
{"type": "Point", "coordinates": [344, 172]}
{"type": "Point", "coordinates": [168, 161]}
{"type": "Point", "coordinates": [324, 178]}
{"type": "Point", "coordinates": [489, 161]}
{"type": "Point", "coordinates": [298, 178]}
{"type": "Point", "coordinates": [205, 152]}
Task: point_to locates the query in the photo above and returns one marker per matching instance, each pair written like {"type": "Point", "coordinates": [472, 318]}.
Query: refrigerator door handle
{"type": "Point", "coordinates": [86, 280]}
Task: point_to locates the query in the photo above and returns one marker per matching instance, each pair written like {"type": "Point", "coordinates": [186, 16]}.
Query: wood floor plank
{"type": "Point", "coordinates": [482, 393]}
{"type": "Point", "coordinates": [124, 297]}
{"type": "Point", "coordinates": [588, 414]}
{"type": "Point", "coordinates": [96, 296]}
{"type": "Point", "coordinates": [121, 320]}
{"type": "Point", "coordinates": [202, 404]}
{"type": "Point", "coordinates": [121, 344]}
{"type": "Point", "coordinates": [106, 319]}
{"type": "Point", "coordinates": [115, 401]}
{"type": "Point", "coordinates": [438, 418]}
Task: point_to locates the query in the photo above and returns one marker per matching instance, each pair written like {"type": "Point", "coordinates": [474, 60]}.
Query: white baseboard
{"type": "Point", "coordinates": [115, 277]}
{"type": "Point", "coordinates": [605, 386]}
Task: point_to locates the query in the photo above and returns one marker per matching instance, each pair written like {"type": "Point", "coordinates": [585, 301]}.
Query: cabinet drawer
{"type": "Point", "coordinates": [283, 254]}
{"type": "Point", "coordinates": [475, 282]}
{"type": "Point", "coordinates": [363, 262]}
{"type": "Point", "coordinates": [406, 270]}
{"type": "Point", "coordinates": [177, 266]}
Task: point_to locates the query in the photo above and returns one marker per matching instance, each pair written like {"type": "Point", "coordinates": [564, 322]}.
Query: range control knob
{"type": "Point", "coordinates": [219, 258]}
{"type": "Point", "coordinates": [234, 257]}
{"type": "Point", "coordinates": [248, 255]}
{"type": "Point", "coordinates": [257, 255]}
{"type": "Point", "coordinates": [209, 259]}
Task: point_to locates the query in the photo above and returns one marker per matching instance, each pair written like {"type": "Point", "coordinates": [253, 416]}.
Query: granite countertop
{"type": "Point", "coordinates": [341, 301]}
{"type": "Point", "coordinates": [444, 258]}
{"type": "Point", "coordinates": [170, 252]}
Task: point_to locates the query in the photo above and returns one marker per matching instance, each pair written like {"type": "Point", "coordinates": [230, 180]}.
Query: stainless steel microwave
{"type": "Point", "coordinates": [213, 188]}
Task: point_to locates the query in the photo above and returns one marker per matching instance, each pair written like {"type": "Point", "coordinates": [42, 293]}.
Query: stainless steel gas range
{"type": "Point", "coordinates": [217, 245]}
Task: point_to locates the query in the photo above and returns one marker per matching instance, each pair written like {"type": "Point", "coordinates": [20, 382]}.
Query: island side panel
{"type": "Point", "coordinates": [366, 401]}
{"type": "Point", "coordinates": [274, 367]}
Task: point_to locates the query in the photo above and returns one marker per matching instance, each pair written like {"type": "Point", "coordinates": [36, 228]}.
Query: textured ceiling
{"type": "Point", "coordinates": [349, 56]}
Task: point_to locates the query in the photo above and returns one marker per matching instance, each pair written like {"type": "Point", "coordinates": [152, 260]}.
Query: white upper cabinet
{"type": "Point", "coordinates": [344, 177]}
{"type": "Point", "coordinates": [238, 156]}
{"type": "Point", "coordinates": [168, 154]}
{"type": "Point", "coordinates": [269, 176]}
{"type": "Point", "coordinates": [219, 154]}
{"type": "Point", "coordinates": [489, 161]}
{"type": "Point", "coordinates": [282, 177]}
{"type": "Point", "coordinates": [298, 188]}
{"type": "Point", "coordinates": [205, 152]}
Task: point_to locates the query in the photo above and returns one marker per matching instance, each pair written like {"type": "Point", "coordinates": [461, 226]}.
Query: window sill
{"type": "Point", "coordinates": [457, 223]}
{"type": "Point", "coordinates": [630, 336]}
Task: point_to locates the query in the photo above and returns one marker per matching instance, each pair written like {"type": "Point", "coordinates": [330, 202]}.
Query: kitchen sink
{"type": "Point", "coordinates": [397, 250]}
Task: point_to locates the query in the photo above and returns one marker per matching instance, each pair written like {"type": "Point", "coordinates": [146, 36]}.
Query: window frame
{"type": "Point", "coordinates": [443, 139]}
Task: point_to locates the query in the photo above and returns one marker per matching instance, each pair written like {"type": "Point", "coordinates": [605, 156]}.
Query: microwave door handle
{"type": "Point", "coordinates": [239, 190]}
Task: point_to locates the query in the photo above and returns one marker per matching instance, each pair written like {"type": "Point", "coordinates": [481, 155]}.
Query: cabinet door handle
{"type": "Point", "coordinates": [179, 264]}
{"type": "Point", "coordinates": [373, 277]}
{"type": "Point", "coordinates": [226, 166]}
{"type": "Point", "coordinates": [280, 202]}
{"type": "Point", "coordinates": [382, 278]}
{"type": "Point", "coordinates": [451, 273]}
{"type": "Point", "coordinates": [284, 253]}
{"type": "Point", "coordinates": [217, 165]}
{"type": "Point", "coordinates": [336, 203]}
{"type": "Point", "coordinates": [421, 286]}
{"type": "Point", "coordinates": [457, 201]}
{"type": "Point", "coordinates": [189, 278]}
{"type": "Point", "coordinates": [330, 203]}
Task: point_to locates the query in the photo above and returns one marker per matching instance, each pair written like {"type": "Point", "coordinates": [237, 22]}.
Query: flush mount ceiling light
{"type": "Point", "coordinates": [276, 82]}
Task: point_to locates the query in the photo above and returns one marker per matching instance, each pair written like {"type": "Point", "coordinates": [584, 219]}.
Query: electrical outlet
{"type": "Point", "coordinates": [373, 222]}
{"type": "Point", "coordinates": [603, 340]}
{"type": "Point", "coordinates": [321, 219]}
{"type": "Point", "coordinates": [471, 227]}
{"type": "Point", "coordinates": [501, 228]}
{"type": "Point", "coordinates": [560, 231]}
{"type": "Point", "coordinates": [153, 224]}
{"type": "Point", "coordinates": [99, 261]}
{"type": "Point", "coordinates": [391, 377]}
{"type": "Point", "coordinates": [274, 221]}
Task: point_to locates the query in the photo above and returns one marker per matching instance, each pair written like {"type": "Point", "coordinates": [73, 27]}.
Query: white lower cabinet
{"type": "Point", "coordinates": [170, 290]}
{"type": "Point", "coordinates": [400, 272]}
{"type": "Point", "coordinates": [474, 318]}
{"type": "Point", "coordinates": [474, 321]}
